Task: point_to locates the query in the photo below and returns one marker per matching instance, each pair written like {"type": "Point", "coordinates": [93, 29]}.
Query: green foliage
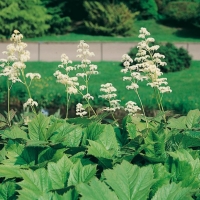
{"type": "Point", "coordinates": [176, 58]}
{"type": "Point", "coordinates": [108, 162]}
{"type": "Point", "coordinates": [60, 22]}
{"type": "Point", "coordinates": [181, 11]}
{"type": "Point", "coordinates": [102, 18]}
{"type": "Point", "coordinates": [149, 9]}
{"type": "Point", "coordinates": [172, 191]}
{"type": "Point", "coordinates": [28, 17]}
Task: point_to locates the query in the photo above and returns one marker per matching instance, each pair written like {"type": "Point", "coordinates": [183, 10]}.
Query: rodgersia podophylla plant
{"type": "Point", "coordinates": [13, 67]}
{"type": "Point", "coordinates": [147, 68]}
{"type": "Point", "coordinates": [72, 84]}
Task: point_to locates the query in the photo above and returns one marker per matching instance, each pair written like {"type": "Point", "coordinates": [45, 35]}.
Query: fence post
{"type": "Point", "coordinates": [101, 51]}
{"type": "Point", "coordinates": [38, 51]}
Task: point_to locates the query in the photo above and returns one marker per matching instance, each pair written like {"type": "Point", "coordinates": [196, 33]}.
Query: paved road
{"type": "Point", "coordinates": [104, 51]}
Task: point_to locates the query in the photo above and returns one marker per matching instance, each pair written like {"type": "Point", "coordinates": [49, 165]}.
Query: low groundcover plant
{"type": "Point", "coordinates": [143, 158]}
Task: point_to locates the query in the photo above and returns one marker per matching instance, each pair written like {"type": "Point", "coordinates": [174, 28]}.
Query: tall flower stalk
{"type": "Point", "coordinates": [13, 68]}
{"type": "Point", "coordinates": [88, 69]}
{"type": "Point", "coordinates": [72, 84]}
{"type": "Point", "coordinates": [147, 68]}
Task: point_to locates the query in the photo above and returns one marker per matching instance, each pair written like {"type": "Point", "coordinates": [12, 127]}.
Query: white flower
{"type": "Point", "coordinates": [88, 96]}
{"type": "Point", "coordinates": [30, 102]}
{"type": "Point", "coordinates": [81, 75]}
{"type": "Point", "coordinates": [109, 95]}
{"type": "Point", "coordinates": [33, 75]}
{"type": "Point", "coordinates": [82, 87]}
{"type": "Point", "coordinates": [80, 110]}
{"type": "Point", "coordinates": [132, 108]}
{"type": "Point", "coordinates": [65, 59]}
{"type": "Point", "coordinates": [164, 89]}
{"type": "Point", "coordinates": [72, 90]}
{"type": "Point", "coordinates": [19, 65]}
{"type": "Point", "coordinates": [133, 86]}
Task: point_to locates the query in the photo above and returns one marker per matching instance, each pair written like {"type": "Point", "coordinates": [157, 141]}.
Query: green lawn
{"type": "Point", "coordinates": [160, 32]}
{"type": "Point", "coordinates": [184, 84]}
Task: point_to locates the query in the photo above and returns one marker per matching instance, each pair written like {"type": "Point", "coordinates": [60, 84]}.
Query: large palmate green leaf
{"type": "Point", "coordinates": [155, 150]}
{"type": "Point", "coordinates": [14, 133]}
{"type": "Point", "coordinates": [67, 134]}
{"type": "Point", "coordinates": [81, 174]}
{"type": "Point", "coordinates": [177, 123]}
{"type": "Point", "coordinates": [35, 185]}
{"type": "Point", "coordinates": [172, 191]}
{"type": "Point", "coordinates": [192, 119]}
{"type": "Point", "coordinates": [185, 168]}
{"type": "Point", "coordinates": [103, 144]}
{"type": "Point", "coordinates": [96, 190]}
{"type": "Point", "coordinates": [17, 154]}
{"type": "Point", "coordinates": [130, 182]}
{"type": "Point", "coordinates": [9, 171]}
{"type": "Point", "coordinates": [59, 172]}
{"type": "Point", "coordinates": [93, 132]}
{"type": "Point", "coordinates": [50, 154]}
{"type": "Point", "coordinates": [99, 151]}
{"type": "Point", "coordinates": [7, 190]}
{"type": "Point", "coordinates": [161, 175]}
{"type": "Point", "coordinates": [38, 128]}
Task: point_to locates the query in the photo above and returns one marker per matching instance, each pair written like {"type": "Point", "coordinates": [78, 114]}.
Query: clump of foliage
{"type": "Point", "coordinates": [149, 9]}
{"type": "Point", "coordinates": [60, 23]}
{"type": "Point", "coordinates": [177, 59]}
{"type": "Point", "coordinates": [109, 19]}
{"type": "Point", "coordinates": [181, 11]}
{"type": "Point", "coordinates": [27, 16]}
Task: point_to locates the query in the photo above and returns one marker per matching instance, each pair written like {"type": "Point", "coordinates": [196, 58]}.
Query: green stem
{"type": "Point", "coordinates": [157, 98]}
{"type": "Point", "coordinates": [161, 107]}
{"type": "Point", "coordinates": [67, 109]}
{"type": "Point", "coordinates": [146, 121]}
{"type": "Point", "coordinates": [28, 90]}
{"type": "Point", "coordinates": [8, 93]}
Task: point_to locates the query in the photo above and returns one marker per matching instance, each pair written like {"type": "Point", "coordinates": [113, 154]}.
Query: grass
{"type": "Point", "coordinates": [160, 32]}
{"type": "Point", "coordinates": [184, 84]}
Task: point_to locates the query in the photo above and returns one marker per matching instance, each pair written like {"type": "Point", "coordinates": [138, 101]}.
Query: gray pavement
{"type": "Point", "coordinates": [104, 51]}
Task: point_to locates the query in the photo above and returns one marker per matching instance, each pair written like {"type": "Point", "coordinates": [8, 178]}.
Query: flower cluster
{"type": "Point", "coordinates": [80, 110]}
{"type": "Point", "coordinates": [134, 74]}
{"type": "Point", "coordinates": [110, 95]}
{"type": "Point", "coordinates": [30, 102]}
{"type": "Point", "coordinates": [33, 76]}
{"type": "Point", "coordinates": [147, 66]}
{"type": "Point", "coordinates": [16, 56]}
{"type": "Point", "coordinates": [70, 83]}
{"type": "Point", "coordinates": [132, 108]}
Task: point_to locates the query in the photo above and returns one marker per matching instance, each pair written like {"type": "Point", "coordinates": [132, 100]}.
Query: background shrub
{"type": "Point", "coordinates": [109, 19]}
{"type": "Point", "coordinates": [177, 59]}
{"type": "Point", "coordinates": [29, 17]}
{"type": "Point", "coordinates": [60, 22]}
{"type": "Point", "coordinates": [181, 11]}
{"type": "Point", "coordinates": [149, 9]}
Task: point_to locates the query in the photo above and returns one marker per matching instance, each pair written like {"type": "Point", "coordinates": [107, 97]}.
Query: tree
{"type": "Point", "coordinates": [29, 17]}
{"type": "Point", "coordinates": [60, 22]}
{"type": "Point", "coordinates": [109, 19]}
